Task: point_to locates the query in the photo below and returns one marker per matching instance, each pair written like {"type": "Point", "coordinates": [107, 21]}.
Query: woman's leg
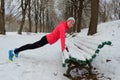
{"type": "Point", "coordinates": [35, 45]}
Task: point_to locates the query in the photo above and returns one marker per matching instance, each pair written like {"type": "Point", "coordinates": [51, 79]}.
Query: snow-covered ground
{"type": "Point", "coordinates": [46, 63]}
{"type": "Point", "coordinates": [40, 64]}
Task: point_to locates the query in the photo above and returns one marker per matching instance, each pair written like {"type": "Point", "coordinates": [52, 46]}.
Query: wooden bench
{"type": "Point", "coordinates": [79, 53]}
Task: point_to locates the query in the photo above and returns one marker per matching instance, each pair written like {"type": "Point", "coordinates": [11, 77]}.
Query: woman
{"type": "Point", "coordinates": [57, 33]}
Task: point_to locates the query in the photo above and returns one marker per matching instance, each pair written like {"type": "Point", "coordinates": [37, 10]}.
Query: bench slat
{"type": "Point", "coordinates": [87, 50]}
{"type": "Point", "coordinates": [90, 46]}
{"type": "Point", "coordinates": [74, 52]}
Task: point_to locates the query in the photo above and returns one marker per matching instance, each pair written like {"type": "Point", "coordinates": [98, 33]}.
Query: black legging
{"type": "Point", "coordinates": [43, 41]}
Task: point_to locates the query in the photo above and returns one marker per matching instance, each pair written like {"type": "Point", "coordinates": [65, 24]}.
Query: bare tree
{"type": "Point", "coordinates": [42, 13]}
{"type": "Point", "coordinates": [116, 8]}
{"type": "Point", "coordinates": [24, 4]}
{"type": "Point", "coordinates": [94, 17]}
{"type": "Point", "coordinates": [29, 15]}
{"type": "Point", "coordinates": [2, 17]}
{"type": "Point", "coordinates": [75, 8]}
{"type": "Point", "coordinates": [103, 13]}
{"type": "Point", "coordinates": [80, 10]}
{"type": "Point", "coordinates": [36, 4]}
{"type": "Point", "coordinates": [109, 10]}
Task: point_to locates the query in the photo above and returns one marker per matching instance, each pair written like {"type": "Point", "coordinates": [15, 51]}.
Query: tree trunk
{"type": "Point", "coordinates": [47, 21]}
{"type": "Point", "coordinates": [29, 15]}
{"type": "Point", "coordinates": [2, 17]}
{"type": "Point", "coordinates": [40, 24]}
{"type": "Point", "coordinates": [36, 16]}
{"type": "Point", "coordinates": [22, 23]}
{"type": "Point", "coordinates": [94, 17]}
{"type": "Point", "coordinates": [24, 7]}
{"type": "Point", "coordinates": [74, 15]}
{"type": "Point", "coordinates": [43, 20]}
{"type": "Point", "coordinates": [80, 3]}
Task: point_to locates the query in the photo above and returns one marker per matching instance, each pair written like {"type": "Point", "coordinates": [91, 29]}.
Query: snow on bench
{"type": "Point", "coordinates": [81, 51]}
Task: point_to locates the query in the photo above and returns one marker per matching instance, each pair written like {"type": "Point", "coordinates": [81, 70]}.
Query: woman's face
{"type": "Point", "coordinates": [70, 24]}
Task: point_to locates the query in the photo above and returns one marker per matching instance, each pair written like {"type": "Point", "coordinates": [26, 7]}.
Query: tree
{"type": "Point", "coordinates": [43, 14]}
{"type": "Point", "coordinates": [80, 9]}
{"type": "Point", "coordinates": [29, 15]}
{"type": "Point", "coordinates": [75, 8]}
{"type": "Point", "coordinates": [36, 4]}
{"type": "Point", "coordinates": [24, 5]}
{"type": "Point", "coordinates": [94, 17]}
{"type": "Point", "coordinates": [116, 8]}
{"type": "Point", "coordinates": [2, 17]}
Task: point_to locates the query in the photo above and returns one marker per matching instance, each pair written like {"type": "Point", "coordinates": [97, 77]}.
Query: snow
{"type": "Point", "coordinates": [41, 64]}
{"type": "Point", "coordinates": [46, 63]}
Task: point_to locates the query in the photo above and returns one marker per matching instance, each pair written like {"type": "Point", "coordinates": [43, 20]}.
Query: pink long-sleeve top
{"type": "Point", "coordinates": [58, 33]}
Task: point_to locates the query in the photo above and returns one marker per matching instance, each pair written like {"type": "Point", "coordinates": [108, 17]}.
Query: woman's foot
{"type": "Point", "coordinates": [12, 54]}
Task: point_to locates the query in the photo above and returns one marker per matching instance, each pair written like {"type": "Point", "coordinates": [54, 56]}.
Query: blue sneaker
{"type": "Point", "coordinates": [11, 55]}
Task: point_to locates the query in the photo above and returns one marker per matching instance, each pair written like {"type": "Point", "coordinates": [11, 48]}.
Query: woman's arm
{"type": "Point", "coordinates": [62, 37]}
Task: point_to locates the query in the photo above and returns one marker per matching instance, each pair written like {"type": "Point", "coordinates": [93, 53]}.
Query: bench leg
{"type": "Point", "coordinates": [77, 67]}
{"type": "Point", "coordinates": [90, 67]}
{"type": "Point", "coordinates": [67, 74]}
